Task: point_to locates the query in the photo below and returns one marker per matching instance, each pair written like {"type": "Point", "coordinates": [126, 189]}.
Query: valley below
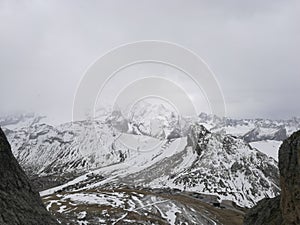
{"type": "Point", "coordinates": [125, 205]}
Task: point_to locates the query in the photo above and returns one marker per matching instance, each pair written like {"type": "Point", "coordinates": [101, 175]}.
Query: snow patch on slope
{"type": "Point", "coordinates": [269, 147]}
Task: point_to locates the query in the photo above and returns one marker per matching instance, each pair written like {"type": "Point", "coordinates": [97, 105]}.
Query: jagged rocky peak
{"type": "Point", "coordinates": [259, 134]}
{"type": "Point", "coordinates": [196, 137]}
{"type": "Point", "coordinates": [147, 117]}
{"type": "Point", "coordinates": [228, 166]}
{"type": "Point", "coordinates": [156, 119]}
{"type": "Point", "coordinates": [19, 203]}
{"type": "Point", "coordinates": [289, 167]}
{"type": "Point", "coordinates": [284, 209]}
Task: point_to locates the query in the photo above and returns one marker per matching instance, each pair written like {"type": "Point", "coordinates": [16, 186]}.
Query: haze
{"type": "Point", "coordinates": [251, 46]}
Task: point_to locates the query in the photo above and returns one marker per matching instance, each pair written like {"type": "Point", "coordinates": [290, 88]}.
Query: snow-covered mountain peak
{"type": "Point", "coordinates": [204, 162]}
{"type": "Point", "coordinates": [183, 153]}
{"type": "Point", "coordinates": [147, 118]}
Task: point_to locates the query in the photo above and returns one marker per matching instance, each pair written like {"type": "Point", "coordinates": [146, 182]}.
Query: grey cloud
{"type": "Point", "coordinates": [252, 46]}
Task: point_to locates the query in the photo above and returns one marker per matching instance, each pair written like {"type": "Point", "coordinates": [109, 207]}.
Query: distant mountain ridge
{"type": "Point", "coordinates": [19, 120]}
{"type": "Point", "coordinates": [197, 151]}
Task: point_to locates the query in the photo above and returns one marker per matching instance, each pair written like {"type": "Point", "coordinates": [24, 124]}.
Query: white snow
{"type": "Point", "coordinates": [99, 198]}
{"type": "Point", "coordinates": [269, 147]}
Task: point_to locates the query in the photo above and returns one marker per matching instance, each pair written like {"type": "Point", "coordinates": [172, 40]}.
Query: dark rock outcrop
{"type": "Point", "coordinates": [267, 211]}
{"type": "Point", "coordinates": [289, 167]}
{"type": "Point", "coordinates": [283, 209]}
{"type": "Point", "coordinates": [19, 203]}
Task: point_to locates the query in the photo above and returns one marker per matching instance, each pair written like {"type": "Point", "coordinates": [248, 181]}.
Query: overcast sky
{"type": "Point", "coordinates": [252, 47]}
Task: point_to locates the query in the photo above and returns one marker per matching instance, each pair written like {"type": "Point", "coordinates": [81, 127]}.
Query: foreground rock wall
{"type": "Point", "coordinates": [284, 209]}
{"type": "Point", "coordinates": [289, 167]}
{"type": "Point", "coordinates": [19, 203]}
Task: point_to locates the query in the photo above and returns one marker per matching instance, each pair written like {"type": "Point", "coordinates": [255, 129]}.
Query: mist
{"type": "Point", "coordinates": [252, 48]}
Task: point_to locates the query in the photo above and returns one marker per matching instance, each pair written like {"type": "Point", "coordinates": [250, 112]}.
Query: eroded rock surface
{"type": "Point", "coordinates": [283, 209]}
{"type": "Point", "coordinates": [19, 203]}
{"type": "Point", "coordinates": [289, 166]}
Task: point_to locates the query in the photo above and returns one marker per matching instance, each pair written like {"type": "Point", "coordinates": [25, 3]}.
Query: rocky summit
{"type": "Point", "coordinates": [283, 209]}
{"type": "Point", "coordinates": [19, 203]}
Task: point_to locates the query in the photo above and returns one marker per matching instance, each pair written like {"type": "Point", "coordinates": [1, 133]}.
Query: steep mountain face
{"type": "Point", "coordinates": [161, 122]}
{"type": "Point", "coordinates": [226, 166]}
{"type": "Point", "coordinates": [83, 145]}
{"type": "Point", "coordinates": [149, 119]}
{"type": "Point", "coordinates": [42, 148]}
{"type": "Point", "coordinates": [284, 209]}
{"type": "Point", "coordinates": [263, 134]}
{"type": "Point", "coordinates": [188, 156]}
{"type": "Point", "coordinates": [267, 211]}
{"type": "Point", "coordinates": [78, 146]}
{"type": "Point", "coordinates": [172, 183]}
{"type": "Point", "coordinates": [203, 162]}
{"type": "Point", "coordinates": [289, 166]}
{"type": "Point", "coordinates": [155, 151]}
{"type": "Point", "coordinates": [153, 120]}
{"type": "Point", "coordinates": [19, 203]}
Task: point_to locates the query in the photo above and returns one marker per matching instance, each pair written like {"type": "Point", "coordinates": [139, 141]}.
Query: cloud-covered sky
{"type": "Point", "coordinates": [252, 47]}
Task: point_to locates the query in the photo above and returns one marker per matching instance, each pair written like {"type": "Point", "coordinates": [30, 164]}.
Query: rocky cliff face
{"type": "Point", "coordinates": [289, 166]}
{"type": "Point", "coordinates": [19, 203]}
{"type": "Point", "coordinates": [267, 211]}
{"type": "Point", "coordinates": [284, 209]}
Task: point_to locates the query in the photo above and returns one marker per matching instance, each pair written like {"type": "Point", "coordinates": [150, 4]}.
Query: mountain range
{"type": "Point", "coordinates": [152, 148]}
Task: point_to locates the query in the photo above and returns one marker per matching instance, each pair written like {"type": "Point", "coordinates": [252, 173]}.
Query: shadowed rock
{"type": "Point", "coordinates": [19, 203]}
{"type": "Point", "coordinates": [267, 211]}
{"type": "Point", "coordinates": [289, 167]}
{"type": "Point", "coordinates": [283, 209]}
